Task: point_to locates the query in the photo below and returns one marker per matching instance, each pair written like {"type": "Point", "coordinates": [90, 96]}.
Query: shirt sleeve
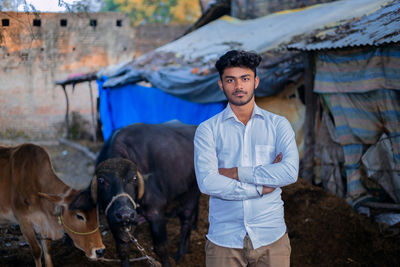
{"type": "Point", "coordinates": [208, 178]}
{"type": "Point", "coordinates": [277, 174]}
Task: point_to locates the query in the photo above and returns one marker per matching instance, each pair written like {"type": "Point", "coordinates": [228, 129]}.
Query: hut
{"type": "Point", "coordinates": [352, 93]}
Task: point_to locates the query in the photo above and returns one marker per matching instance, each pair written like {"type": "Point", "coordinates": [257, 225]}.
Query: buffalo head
{"type": "Point", "coordinates": [117, 186]}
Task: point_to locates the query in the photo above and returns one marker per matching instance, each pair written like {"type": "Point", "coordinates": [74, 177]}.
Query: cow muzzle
{"type": "Point", "coordinates": [100, 252]}
{"type": "Point", "coordinates": [119, 212]}
{"type": "Point", "coordinates": [125, 216]}
{"type": "Point", "coordinates": [96, 253]}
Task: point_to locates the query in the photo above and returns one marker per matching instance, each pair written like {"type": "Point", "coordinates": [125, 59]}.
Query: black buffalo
{"type": "Point", "coordinates": [140, 171]}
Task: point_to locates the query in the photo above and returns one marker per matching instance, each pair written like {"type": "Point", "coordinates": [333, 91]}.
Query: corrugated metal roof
{"type": "Point", "coordinates": [379, 27]}
{"type": "Point", "coordinates": [264, 33]}
{"type": "Point", "coordinates": [192, 57]}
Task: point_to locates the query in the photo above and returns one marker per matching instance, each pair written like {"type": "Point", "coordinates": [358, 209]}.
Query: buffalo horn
{"type": "Point", "coordinates": [93, 189]}
{"type": "Point", "coordinates": [140, 186]}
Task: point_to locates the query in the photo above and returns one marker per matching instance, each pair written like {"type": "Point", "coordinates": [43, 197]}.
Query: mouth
{"type": "Point", "coordinates": [127, 228]}
{"type": "Point", "coordinates": [239, 93]}
{"type": "Point", "coordinates": [92, 257]}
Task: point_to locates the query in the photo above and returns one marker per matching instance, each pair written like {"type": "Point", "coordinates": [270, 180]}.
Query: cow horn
{"type": "Point", "coordinates": [140, 186]}
{"type": "Point", "coordinates": [93, 189]}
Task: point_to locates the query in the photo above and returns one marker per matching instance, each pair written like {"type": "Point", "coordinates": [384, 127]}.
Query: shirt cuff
{"type": "Point", "coordinates": [245, 175]}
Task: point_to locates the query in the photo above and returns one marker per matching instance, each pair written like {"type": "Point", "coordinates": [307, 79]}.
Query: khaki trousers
{"type": "Point", "coordinates": [276, 254]}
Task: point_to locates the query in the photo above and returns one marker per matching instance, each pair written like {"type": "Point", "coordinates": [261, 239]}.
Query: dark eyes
{"type": "Point", "coordinates": [80, 217]}
{"type": "Point", "coordinates": [101, 180]}
{"type": "Point", "coordinates": [245, 79]}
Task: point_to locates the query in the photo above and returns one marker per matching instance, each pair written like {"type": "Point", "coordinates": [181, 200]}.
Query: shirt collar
{"type": "Point", "coordinates": [228, 112]}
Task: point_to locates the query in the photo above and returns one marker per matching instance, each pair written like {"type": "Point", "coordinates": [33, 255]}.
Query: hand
{"type": "Point", "coordinates": [278, 158]}
{"type": "Point", "coordinates": [267, 189]}
{"type": "Point", "coordinates": [229, 172]}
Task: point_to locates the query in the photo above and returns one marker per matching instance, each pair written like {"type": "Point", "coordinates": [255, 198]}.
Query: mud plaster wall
{"type": "Point", "coordinates": [33, 57]}
{"type": "Point", "coordinates": [151, 36]}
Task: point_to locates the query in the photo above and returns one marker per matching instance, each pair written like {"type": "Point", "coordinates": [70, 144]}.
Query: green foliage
{"type": "Point", "coordinates": [110, 5]}
{"type": "Point", "coordinates": [156, 11]}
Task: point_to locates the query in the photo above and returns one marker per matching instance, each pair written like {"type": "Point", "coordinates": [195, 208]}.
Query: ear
{"type": "Point", "coordinates": [256, 82]}
{"type": "Point", "coordinates": [82, 201]}
{"type": "Point", "coordinates": [220, 85]}
{"type": "Point", "coordinates": [58, 210]}
{"type": "Point", "coordinates": [53, 198]}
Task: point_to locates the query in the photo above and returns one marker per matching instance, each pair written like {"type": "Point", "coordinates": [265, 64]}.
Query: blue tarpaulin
{"type": "Point", "coordinates": [132, 103]}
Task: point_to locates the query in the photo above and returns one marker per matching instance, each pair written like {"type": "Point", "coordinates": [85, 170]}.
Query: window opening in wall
{"type": "Point", "coordinates": [63, 23]}
{"type": "Point", "coordinates": [93, 22]}
{"type": "Point", "coordinates": [5, 22]}
{"type": "Point", "coordinates": [37, 22]}
{"type": "Point", "coordinates": [119, 23]}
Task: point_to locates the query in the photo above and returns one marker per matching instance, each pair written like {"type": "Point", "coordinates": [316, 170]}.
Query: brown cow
{"type": "Point", "coordinates": [33, 196]}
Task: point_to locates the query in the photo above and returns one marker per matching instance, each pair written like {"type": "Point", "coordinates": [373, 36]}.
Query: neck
{"type": "Point", "coordinates": [243, 113]}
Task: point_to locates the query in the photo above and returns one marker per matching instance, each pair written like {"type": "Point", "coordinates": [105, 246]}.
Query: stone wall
{"type": "Point", "coordinates": [38, 49]}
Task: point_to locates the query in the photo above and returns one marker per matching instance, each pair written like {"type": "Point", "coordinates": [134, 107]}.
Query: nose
{"type": "Point", "coordinates": [238, 84]}
{"type": "Point", "coordinates": [125, 216]}
{"type": "Point", "coordinates": [100, 252]}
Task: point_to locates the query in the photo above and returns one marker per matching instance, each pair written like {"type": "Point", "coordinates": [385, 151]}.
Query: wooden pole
{"type": "Point", "coordinates": [78, 147]}
{"type": "Point", "coordinates": [92, 111]}
{"type": "Point", "coordinates": [66, 112]}
{"type": "Point", "coordinates": [307, 171]}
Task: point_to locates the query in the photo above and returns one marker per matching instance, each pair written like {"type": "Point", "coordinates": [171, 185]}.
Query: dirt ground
{"type": "Point", "coordinates": [323, 229]}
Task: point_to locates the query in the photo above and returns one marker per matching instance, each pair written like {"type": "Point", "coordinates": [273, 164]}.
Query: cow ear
{"type": "Point", "coordinates": [82, 201]}
{"type": "Point", "coordinates": [51, 197]}
{"type": "Point", "coordinates": [58, 210]}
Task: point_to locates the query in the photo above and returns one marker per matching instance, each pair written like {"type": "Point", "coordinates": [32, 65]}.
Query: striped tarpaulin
{"type": "Point", "coordinates": [362, 89]}
{"type": "Point", "coordinates": [360, 119]}
{"type": "Point", "coordinates": [358, 70]}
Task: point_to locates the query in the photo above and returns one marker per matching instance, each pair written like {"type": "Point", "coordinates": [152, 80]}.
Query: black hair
{"type": "Point", "coordinates": [238, 58]}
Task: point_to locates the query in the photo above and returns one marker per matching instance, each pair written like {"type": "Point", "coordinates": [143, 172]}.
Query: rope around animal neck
{"type": "Point", "coordinates": [118, 196]}
{"type": "Point", "coordinates": [61, 222]}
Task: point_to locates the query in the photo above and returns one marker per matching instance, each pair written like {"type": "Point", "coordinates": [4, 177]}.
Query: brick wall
{"type": "Point", "coordinates": [38, 49]}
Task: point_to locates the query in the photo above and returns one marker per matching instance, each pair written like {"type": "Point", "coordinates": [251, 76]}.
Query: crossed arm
{"type": "Point", "coordinates": [233, 174]}
{"type": "Point", "coordinates": [240, 183]}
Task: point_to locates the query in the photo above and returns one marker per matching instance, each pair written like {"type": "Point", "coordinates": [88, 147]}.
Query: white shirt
{"type": "Point", "coordinates": [237, 207]}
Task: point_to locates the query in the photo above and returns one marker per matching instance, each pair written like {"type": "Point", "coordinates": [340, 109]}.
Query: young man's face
{"type": "Point", "coordinates": [238, 84]}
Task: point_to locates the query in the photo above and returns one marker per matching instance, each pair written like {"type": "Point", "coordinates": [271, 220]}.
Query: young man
{"type": "Point", "coordinates": [243, 155]}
